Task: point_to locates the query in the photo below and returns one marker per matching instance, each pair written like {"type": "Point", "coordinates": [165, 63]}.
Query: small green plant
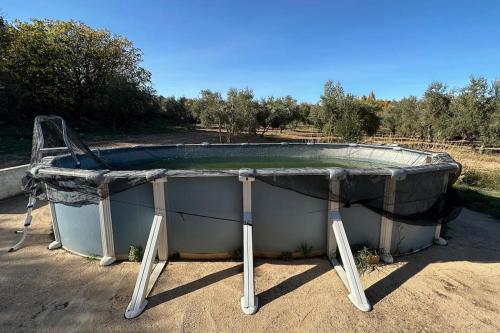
{"type": "Point", "coordinates": [366, 259]}
{"type": "Point", "coordinates": [286, 255]}
{"type": "Point", "coordinates": [306, 249]}
{"type": "Point", "coordinates": [135, 253]}
{"type": "Point", "coordinates": [91, 257]}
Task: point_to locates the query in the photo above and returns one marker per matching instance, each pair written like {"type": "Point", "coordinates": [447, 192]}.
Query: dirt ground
{"type": "Point", "coordinates": [452, 288]}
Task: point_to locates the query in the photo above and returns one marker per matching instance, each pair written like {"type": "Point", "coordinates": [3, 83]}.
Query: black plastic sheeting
{"type": "Point", "coordinates": [419, 199]}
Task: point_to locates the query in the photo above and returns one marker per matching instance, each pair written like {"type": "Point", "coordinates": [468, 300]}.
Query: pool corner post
{"type": "Point", "coordinates": [249, 302]}
{"type": "Point", "coordinates": [56, 244]}
{"type": "Point", "coordinates": [348, 271]}
{"type": "Point", "coordinates": [387, 224]}
{"type": "Point", "coordinates": [108, 245]}
{"type": "Point", "coordinates": [438, 240]}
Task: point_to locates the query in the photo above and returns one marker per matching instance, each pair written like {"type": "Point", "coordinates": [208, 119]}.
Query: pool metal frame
{"type": "Point", "coordinates": [336, 237]}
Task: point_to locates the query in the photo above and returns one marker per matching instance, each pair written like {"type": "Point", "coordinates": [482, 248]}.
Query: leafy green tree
{"type": "Point", "coordinates": [370, 119]}
{"type": "Point", "coordinates": [435, 110]}
{"type": "Point", "coordinates": [491, 130]}
{"type": "Point", "coordinates": [211, 111]}
{"type": "Point", "coordinates": [68, 68]}
{"type": "Point", "coordinates": [391, 118]}
{"type": "Point", "coordinates": [176, 111]}
{"type": "Point", "coordinates": [277, 113]}
{"type": "Point", "coordinates": [304, 113]}
{"type": "Point", "coordinates": [241, 109]}
{"type": "Point", "coordinates": [343, 115]}
{"type": "Point", "coordinates": [471, 110]}
{"type": "Point", "coordinates": [403, 117]}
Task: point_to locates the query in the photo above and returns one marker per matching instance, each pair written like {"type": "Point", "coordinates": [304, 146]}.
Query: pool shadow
{"type": "Point", "coordinates": [475, 242]}
{"type": "Point", "coordinates": [265, 297]}
{"type": "Point", "coordinates": [192, 286]}
{"type": "Point", "coordinates": [293, 282]}
{"type": "Point", "coordinates": [470, 242]}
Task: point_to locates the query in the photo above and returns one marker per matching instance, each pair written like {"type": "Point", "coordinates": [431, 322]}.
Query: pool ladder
{"type": "Point", "coordinates": [40, 147]}
{"type": "Point", "coordinates": [27, 223]}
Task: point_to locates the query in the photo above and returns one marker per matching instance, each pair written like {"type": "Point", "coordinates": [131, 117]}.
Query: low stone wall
{"type": "Point", "coordinates": [10, 181]}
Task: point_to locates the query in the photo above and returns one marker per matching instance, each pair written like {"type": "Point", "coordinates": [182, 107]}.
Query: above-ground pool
{"type": "Point", "coordinates": [198, 189]}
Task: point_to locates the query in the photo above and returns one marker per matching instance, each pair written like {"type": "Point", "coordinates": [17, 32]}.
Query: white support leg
{"type": "Point", "coordinates": [147, 274]}
{"type": "Point", "coordinates": [55, 226]}
{"type": "Point", "coordinates": [386, 224]}
{"type": "Point", "coordinates": [249, 302]}
{"type": "Point", "coordinates": [108, 245]}
{"type": "Point", "coordinates": [348, 273]}
{"type": "Point", "coordinates": [57, 236]}
{"type": "Point", "coordinates": [438, 240]}
{"type": "Point", "coordinates": [160, 209]}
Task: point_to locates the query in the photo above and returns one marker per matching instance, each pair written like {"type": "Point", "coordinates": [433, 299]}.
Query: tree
{"type": "Point", "coordinates": [435, 109]}
{"type": "Point", "coordinates": [391, 118]}
{"type": "Point", "coordinates": [211, 111]}
{"type": "Point", "coordinates": [241, 110]}
{"type": "Point", "coordinates": [491, 130]}
{"type": "Point", "coordinates": [66, 67]}
{"type": "Point", "coordinates": [277, 113]}
{"type": "Point", "coordinates": [471, 110]}
{"type": "Point", "coordinates": [343, 115]}
{"type": "Point", "coordinates": [176, 111]}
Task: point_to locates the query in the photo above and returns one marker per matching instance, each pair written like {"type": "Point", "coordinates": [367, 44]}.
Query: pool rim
{"type": "Point", "coordinates": [439, 161]}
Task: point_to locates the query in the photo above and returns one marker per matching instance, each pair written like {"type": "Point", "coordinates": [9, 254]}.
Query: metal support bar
{"type": "Point", "coordinates": [108, 245]}
{"type": "Point", "coordinates": [249, 302]}
{"type": "Point", "coordinates": [147, 274]}
{"type": "Point", "coordinates": [438, 240]}
{"type": "Point", "coordinates": [348, 273]}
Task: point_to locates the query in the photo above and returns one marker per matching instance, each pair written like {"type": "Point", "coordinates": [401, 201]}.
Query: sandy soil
{"type": "Point", "coordinates": [453, 288]}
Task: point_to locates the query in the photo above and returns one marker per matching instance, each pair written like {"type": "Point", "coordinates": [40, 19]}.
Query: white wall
{"type": "Point", "coordinates": [10, 181]}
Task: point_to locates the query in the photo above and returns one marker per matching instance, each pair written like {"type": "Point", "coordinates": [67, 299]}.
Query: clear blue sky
{"type": "Point", "coordinates": [395, 48]}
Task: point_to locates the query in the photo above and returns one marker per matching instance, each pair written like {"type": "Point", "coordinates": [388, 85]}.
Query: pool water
{"type": "Point", "coordinates": [255, 162]}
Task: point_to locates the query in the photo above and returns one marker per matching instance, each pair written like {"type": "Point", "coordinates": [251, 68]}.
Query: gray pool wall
{"type": "Point", "coordinates": [283, 219]}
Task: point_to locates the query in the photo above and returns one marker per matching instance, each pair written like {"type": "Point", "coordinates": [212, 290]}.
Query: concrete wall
{"type": "Point", "coordinates": [10, 181]}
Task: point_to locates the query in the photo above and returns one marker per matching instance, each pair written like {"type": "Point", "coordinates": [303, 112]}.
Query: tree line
{"type": "Point", "coordinates": [95, 78]}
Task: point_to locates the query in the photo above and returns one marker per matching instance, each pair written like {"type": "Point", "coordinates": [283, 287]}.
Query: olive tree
{"type": "Point", "coordinates": [210, 110]}
{"type": "Point", "coordinates": [471, 110]}
{"type": "Point", "coordinates": [341, 114]}
{"type": "Point", "coordinates": [241, 109]}
{"type": "Point", "coordinates": [435, 110]}
{"type": "Point", "coordinates": [277, 113]}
